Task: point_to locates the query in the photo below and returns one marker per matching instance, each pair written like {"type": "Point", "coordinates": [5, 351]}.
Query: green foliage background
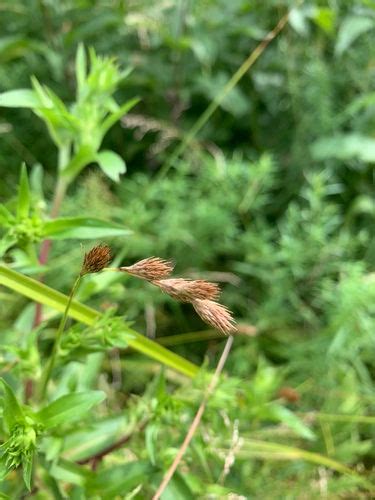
{"type": "Point", "coordinates": [274, 197]}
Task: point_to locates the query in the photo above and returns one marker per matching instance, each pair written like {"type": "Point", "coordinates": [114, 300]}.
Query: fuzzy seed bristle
{"type": "Point", "coordinates": [188, 290]}
{"type": "Point", "coordinates": [150, 269]}
{"type": "Point", "coordinates": [215, 315]}
{"type": "Point", "coordinates": [96, 259]}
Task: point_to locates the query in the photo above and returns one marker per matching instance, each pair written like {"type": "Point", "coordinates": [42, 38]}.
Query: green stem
{"type": "Point", "coordinates": [220, 96]}
{"type": "Point", "coordinates": [52, 360]}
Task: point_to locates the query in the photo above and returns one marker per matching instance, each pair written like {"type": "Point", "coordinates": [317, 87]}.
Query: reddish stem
{"type": "Point", "coordinates": [45, 248]}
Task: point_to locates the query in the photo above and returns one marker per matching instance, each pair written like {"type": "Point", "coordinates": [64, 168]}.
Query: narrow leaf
{"type": "Point", "coordinates": [12, 412]}
{"type": "Point", "coordinates": [352, 28]}
{"type": "Point", "coordinates": [69, 408]}
{"type": "Point", "coordinates": [117, 479]}
{"type": "Point", "coordinates": [115, 116]}
{"type": "Point", "coordinates": [81, 68]}
{"type": "Point", "coordinates": [6, 242]}
{"type": "Point", "coordinates": [70, 472]}
{"type": "Point", "coordinates": [82, 228]}
{"type": "Point", "coordinates": [23, 204]}
{"type": "Point", "coordinates": [39, 292]}
{"type": "Point", "coordinates": [345, 147]}
{"type": "Point", "coordinates": [86, 442]}
{"type": "Point", "coordinates": [20, 98]}
{"type": "Point", "coordinates": [290, 419]}
{"type": "Point", "coordinates": [269, 450]}
{"type": "Point", "coordinates": [27, 469]}
{"type": "Point", "coordinates": [6, 217]}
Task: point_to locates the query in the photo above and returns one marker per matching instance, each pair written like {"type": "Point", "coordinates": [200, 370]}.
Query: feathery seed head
{"type": "Point", "coordinates": [151, 269]}
{"type": "Point", "coordinates": [96, 259]}
{"type": "Point", "coordinates": [188, 290]}
{"type": "Point", "coordinates": [215, 315]}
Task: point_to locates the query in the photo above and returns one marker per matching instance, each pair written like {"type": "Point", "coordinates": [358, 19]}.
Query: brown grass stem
{"type": "Point", "coordinates": [198, 416]}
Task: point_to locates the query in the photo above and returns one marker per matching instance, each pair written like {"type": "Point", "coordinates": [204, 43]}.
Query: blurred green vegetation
{"type": "Point", "coordinates": [274, 198]}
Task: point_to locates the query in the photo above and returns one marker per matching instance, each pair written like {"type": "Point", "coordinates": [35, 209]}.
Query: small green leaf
{"type": "Point", "coordinates": [81, 68]}
{"type": "Point", "coordinates": [345, 147]}
{"type": "Point", "coordinates": [84, 443]}
{"type": "Point", "coordinates": [151, 437]}
{"type": "Point", "coordinates": [23, 204]}
{"type": "Point", "coordinates": [27, 469]}
{"type": "Point", "coordinates": [21, 98]}
{"type": "Point", "coordinates": [290, 419]}
{"type": "Point", "coordinates": [82, 228]}
{"type": "Point", "coordinates": [112, 164]}
{"type": "Point", "coordinates": [69, 408]}
{"type": "Point", "coordinates": [70, 472]}
{"type": "Point", "coordinates": [12, 412]}
{"type": "Point", "coordinates": [6, 242]}
{"type": "Point", "coordinates": [6, 217]}
{"type": "Point", "coordinates": [298, 21]}
{"type": "Point", "coordinates": [178, 488]}
{"type": "Point", "coordinates": [352, 28]}
{"type": "Point", "coordinates": [115, 480]}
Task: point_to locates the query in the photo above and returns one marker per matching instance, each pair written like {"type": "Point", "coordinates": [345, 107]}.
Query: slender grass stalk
{"type": "Point", "coordinates": [220, 96]}
{"type": "Point", "coordinates": [198, 416]}
{"type": "Point", "coordinates": [52, 360]}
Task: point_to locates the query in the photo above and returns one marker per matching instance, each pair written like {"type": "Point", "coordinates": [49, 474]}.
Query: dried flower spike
{"type": "Point", "coordinates": [188, 290]}
{"type": "Point", "coordinates": [96, 259]}
{"type": "Point", "coordinates": [151, 269]}
{"type": "Point", "coordinates": [215, 315]}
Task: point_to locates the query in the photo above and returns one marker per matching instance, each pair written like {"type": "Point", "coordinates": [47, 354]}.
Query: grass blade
{"type": "Point", "coordinates": [39, 292]}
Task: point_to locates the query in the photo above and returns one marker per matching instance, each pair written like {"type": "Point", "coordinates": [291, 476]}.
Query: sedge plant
{"type": "Point", "coordinates": [25, 426]}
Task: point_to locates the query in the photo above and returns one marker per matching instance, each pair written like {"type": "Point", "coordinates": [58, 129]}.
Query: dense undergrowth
{"type": "Point", "coordinates": [273, 198]}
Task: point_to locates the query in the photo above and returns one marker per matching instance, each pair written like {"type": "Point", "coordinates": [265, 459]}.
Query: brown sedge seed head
{"type": "Point", "coordinates": [188, 290]}
{"type": "Point", "coordinates": [96, 259]}
{"type": "Point", "coordinates": [216, 315]}
{"type": "Point", "coordinates": [150, 269]}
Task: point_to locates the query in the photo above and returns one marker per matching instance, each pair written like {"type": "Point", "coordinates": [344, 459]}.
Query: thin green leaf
{"type": "Point", "coordinates": [23, 204]}
{"type": "Point", "coordinates": [40, 292]}
{"type": "Point", "coordinates": [270, 450]}
{"type": "Point", "coordinates": [115, 480]}
{"type": "Point", "coordinates": [151, 437]}
{"type": "Point", "coordinates": [81, 68]}
{"type": "Point", "coordinates": [6, 217]}
{"type": "Point", "coordinates": [20, 98]}
{"type": "Point", "coordinates": [352, 28]}
{"type": "Point", "coordinates": [290, 419]}
{"type": "Point", "coordinates": [111, 164]}
{"type": "Point", "coordinates": [345, 147]}
{"type": "Point", "coordinates": [82, 228]}
{"type": "Point", "coordinates": [115, 116]}
{"type": "Point", "coordinates": [27, 469]}
{"type": "Point", "coordinates": [178, 488]}
{"type": "Point", "coordinates": [87, 442]}
{"type": "Point", "coordinates": [12, 412]}
{"type": "Point", "coordinates": [69, 408]}
{"type": "Point", "coordinates": [7, 242]}
{"type": "Point", "coordinates": [70, 472]}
